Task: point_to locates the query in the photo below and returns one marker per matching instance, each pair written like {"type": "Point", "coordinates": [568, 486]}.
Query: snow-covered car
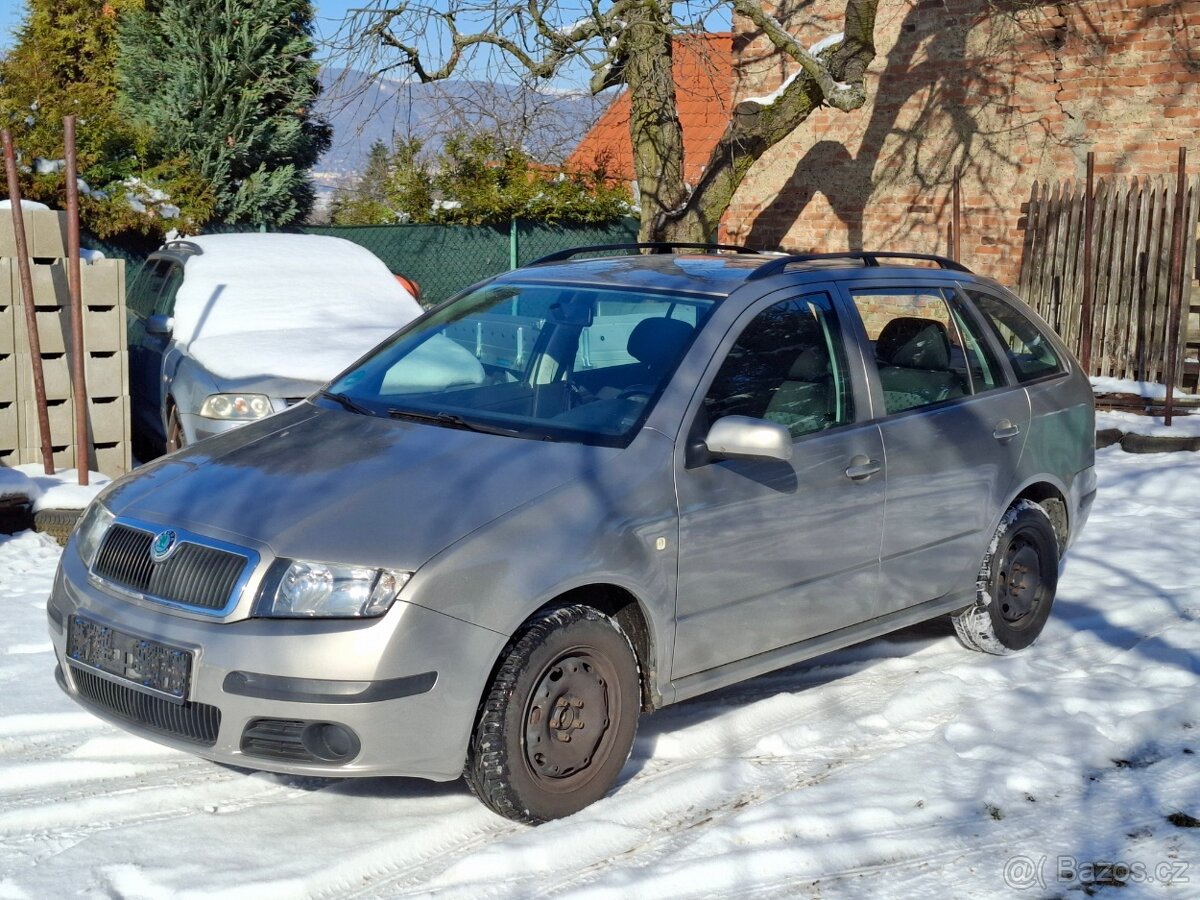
{"type": "Point", "coordinates": [226, 329]}
{"type": "Point", "coordinates": [586, 488]}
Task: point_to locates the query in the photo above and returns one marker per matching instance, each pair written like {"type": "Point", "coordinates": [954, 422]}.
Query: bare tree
{"type": "Point", "coordinates": [628, 43]}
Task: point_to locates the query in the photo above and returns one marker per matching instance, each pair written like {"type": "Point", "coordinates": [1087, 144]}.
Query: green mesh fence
{"type": "Point", "coordinates": [444, 259]}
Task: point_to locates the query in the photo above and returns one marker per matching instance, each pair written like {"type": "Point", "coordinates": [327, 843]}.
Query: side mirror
{"type": "Point", "coordinates": [741, 437]}
{"type": "Point", "coordinates": [160, 324]}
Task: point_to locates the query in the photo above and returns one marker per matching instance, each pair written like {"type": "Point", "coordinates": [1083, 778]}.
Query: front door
{"type": "Point", "coordinates": [771, 553]}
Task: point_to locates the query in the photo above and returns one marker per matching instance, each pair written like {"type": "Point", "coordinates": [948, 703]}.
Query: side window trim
{"type": "Point", "coordinates": [989, 334]}
{"type": "Point", "coordinates": [164, 303]}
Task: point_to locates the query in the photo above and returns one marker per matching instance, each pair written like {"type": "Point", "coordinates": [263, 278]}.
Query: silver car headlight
{"type": "Point", "coordinates": [306, 590]}
{"type": "Point", "coordinates": [90, 531]}
{"type": "Point", "coordinates": [236, 406]}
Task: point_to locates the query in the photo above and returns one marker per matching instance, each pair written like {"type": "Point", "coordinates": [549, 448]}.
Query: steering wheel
{"type": "Point", "coordinates": [642, 392]}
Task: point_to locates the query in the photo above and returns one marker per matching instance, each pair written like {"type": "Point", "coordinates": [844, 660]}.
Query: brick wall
{"type": "Point", "coordinates": [1008, 91]}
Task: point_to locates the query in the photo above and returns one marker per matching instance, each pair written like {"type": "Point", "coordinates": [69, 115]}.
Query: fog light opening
{"type": "Point", "coordinates": [330, 742]}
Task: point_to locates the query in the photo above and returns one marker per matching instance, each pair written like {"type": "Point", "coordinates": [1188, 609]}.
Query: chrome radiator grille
{"type": "Point", "coordinates": [194, 575]}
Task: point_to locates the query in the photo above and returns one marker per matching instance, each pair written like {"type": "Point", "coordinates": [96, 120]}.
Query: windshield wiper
{"type": "Point", "coordinates": [450, 420]}
{"type": "Point", "coordinates": [347, 403]}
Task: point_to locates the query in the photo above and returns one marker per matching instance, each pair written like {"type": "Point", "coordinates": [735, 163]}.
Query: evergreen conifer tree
{"type": "Point", "coordinates": [366, 201]}
{"type": "Point", "coordinates": [231, 85]}
{"type": "Point", "coordinates": [63, 63]}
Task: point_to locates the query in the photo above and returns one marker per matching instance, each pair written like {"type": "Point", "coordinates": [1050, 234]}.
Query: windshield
{"type": "Point", "coordinates": [551, 362]}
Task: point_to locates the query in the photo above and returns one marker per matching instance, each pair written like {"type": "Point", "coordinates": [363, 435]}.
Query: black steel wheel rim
{"type": "Point", "coordinates": [1020, 585]}
{"type": "Point", "coordinates": [568, 718]}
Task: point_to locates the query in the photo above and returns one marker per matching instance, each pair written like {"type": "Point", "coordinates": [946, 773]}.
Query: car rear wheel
{"type": "Point", "coordinates": [1016, 584]}
{"type": "Point", "coordinates": [558, 720]}
{"type": "Point", "coordinates": [175, 438]}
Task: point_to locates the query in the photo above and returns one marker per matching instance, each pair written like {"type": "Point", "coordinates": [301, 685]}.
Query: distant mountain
{"type": "Point", "coordinates": [363, 109]}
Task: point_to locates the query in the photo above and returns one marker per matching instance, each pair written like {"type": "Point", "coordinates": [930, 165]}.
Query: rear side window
{"type": "Point", "coordinates": [925, 351]}
{"type": "Point", "coordinates": [1031, 354]}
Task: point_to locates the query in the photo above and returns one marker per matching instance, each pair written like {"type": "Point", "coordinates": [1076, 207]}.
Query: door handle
{"type": "Point", "coordinates": [861, 468]}
{"type": "Point", "coordinates": [1005, 431]}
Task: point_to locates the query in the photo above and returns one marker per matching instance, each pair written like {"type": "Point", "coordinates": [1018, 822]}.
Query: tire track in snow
{"type": "Point", "coordinates": [660, 830]}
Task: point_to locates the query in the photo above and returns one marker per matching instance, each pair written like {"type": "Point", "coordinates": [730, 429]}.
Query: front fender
{"type": "Point", "coordinates": [605, 528]}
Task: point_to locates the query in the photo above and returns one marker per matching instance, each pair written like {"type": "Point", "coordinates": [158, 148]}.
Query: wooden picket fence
{"type": "Point", "coordinates": [1131, 242]}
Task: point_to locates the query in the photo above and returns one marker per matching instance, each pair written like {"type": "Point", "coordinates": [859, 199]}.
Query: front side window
{"type": "Point", "coordinates": [165, 304]}
{"type": "Point", "coordinates": [1031, 354]}
{"type": "Point", "coordinates": [787, 366]}
{"type": "Point", "coordinates": [145, 290]}
{"type": "Point", "coordinates": [925, 351]}
{"type": "Point", "coordinates": [565, 362]}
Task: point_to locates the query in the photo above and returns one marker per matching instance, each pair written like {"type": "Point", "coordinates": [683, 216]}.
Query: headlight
{"type": "Point", "coordinates": [320, 590]}
{"type": "Point", "coordinates": [90, 531]}
{"type": "Point", "coordinates": [236, 406]}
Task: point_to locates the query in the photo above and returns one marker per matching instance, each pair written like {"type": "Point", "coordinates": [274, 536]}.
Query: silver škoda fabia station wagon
{"type": "Point", "coordinates": [585, 489]}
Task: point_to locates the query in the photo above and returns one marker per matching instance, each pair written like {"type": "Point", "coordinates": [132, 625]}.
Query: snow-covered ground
{"type": "Point", "coordinates": [906, 767]}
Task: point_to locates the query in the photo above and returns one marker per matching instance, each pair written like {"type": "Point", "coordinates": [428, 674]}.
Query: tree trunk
{"type": "Point", "coordinates": [653, 121]}
{"type": "Point", "coordinates": [754, 128]}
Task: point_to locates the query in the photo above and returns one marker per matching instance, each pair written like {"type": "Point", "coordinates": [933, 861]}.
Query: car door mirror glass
{"type": "Point", "coordinates": [160, 324]}
{"type": "Point", "coordinates": [742, 437]}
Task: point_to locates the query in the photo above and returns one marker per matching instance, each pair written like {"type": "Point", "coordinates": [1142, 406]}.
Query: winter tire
{"type": "Point", "coordinates": [557, 723]}
{"type": "Point", "coordinates": [58, 523]}
{"type": "Point", "coordinates": [1016, 583]}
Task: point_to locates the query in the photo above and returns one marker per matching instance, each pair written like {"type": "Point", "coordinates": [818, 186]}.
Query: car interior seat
{"type": "Point", "coordinates": [913, 356]}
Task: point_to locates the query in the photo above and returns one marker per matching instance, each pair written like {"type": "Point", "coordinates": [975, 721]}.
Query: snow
{"type": "Point", "coordinates": [903, 767]}
{"type": "Point", "coordinates": [1182, 424]}
{"type": "Point", "coordinates": [825, 43]}
{"type": "Point", "coordinates": [768, 99]}
{"type": "Point", "coordinates": [1147, 389]}
{"type": "Point", "coordinates": [287, 305]}
{"type": "Point", "coordinates": [25, 204]}
{"type": "Point", "coordinates": [58, 491]}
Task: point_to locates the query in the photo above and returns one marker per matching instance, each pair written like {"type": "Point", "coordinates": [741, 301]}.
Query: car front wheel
{"type": "Point", "coordinates": [1016, 584]}
{"type": "Point", "coordinates": [558, 720]}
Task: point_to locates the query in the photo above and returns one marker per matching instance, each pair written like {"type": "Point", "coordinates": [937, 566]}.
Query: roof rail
{"type": "Point", "coordinates": [184, 246]}
{"type": "Point", "coordinates": [869, 258]}
{"type": "Point", "coordinates": [656, 246]}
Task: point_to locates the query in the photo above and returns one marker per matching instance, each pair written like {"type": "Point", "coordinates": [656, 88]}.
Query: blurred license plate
{"type": "Point", "coordinates": [143, 662]}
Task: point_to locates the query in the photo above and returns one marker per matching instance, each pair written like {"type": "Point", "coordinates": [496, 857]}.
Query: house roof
{"type": "Point", "coordinates": [703, 69]}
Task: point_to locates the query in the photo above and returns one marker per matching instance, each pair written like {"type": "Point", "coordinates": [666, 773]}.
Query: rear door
{"type": "Point", "coordinates": [953, 424]}
{"type": "Point", "coordinates": [771, 552]}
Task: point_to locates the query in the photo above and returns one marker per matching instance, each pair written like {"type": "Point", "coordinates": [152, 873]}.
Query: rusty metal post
{"type": "Point", "coordinates": [1176, 288]}
{"type": "Point", "coordinates": [1085, 310]}
{"type": "Point", "coordinates": [956, 220]}
{"type": "Point", "coordinates": [78, 382]}
{"type": "Point", "coordinates": [26, 278]}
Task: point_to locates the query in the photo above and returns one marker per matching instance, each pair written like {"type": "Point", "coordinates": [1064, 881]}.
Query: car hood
{"type": "Point", "coordinates": [334, 486]}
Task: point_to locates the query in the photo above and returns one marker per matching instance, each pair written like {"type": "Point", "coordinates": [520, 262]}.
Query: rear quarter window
{"type": "Point", "coordinates": [1030, 352]}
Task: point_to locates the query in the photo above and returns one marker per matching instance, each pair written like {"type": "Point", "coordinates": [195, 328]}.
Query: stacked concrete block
{"type": "Point", "coordinates": [106, 359]}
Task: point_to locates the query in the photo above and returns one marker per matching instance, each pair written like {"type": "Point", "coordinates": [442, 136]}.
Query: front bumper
{"type": "Point", "coordinates": [406, 685]}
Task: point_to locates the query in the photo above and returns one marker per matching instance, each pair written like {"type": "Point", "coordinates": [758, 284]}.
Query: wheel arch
{"type": "Point", "coordinates": [627, 610]}
{"type": "Point", "coordinates": [1053, 499]}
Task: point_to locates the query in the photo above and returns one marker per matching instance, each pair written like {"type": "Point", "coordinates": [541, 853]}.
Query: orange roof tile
{"type": "Point", "coordinates": [703, 69]}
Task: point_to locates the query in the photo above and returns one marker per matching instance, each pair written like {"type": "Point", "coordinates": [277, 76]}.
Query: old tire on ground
{"type": "Point", "coordinates": [557, 723]}
{"type": "Point", "coordinates": [175, 438]}
{"type": "Point", "coordinates": [58, 523]}
{"type": "Point", "coordinates": [1016, 584]}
